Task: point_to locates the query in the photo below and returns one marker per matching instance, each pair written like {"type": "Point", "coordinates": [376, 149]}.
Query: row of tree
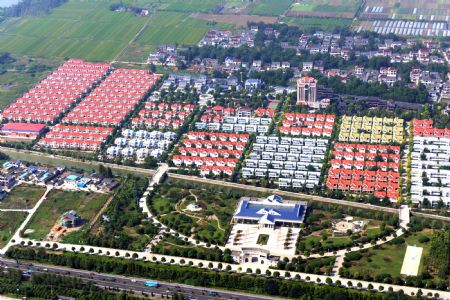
{"type": "Point", "coordinates": [31, 7]}
{"type": "Point", "coordinates": [234, 281]}
{"type": "Point", "coordinates": [439, 259]}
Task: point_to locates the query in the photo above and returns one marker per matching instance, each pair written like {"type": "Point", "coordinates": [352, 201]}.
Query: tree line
{"type": "Point", "coordinates": [199, 277]}
{"type": "Point", "coordinates": [31, 8]}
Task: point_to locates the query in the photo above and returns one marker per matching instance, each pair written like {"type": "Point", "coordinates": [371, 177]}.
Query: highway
{"type": "Point", "coordinates": [136, 285]}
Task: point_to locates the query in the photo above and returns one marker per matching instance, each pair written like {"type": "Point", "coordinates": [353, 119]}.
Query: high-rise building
{"type": "Point", "coordinates": [306, 90]}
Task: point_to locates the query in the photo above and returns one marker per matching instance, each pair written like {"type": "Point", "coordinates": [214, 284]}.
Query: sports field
{"type": "Point", "coordinates": [411, 262]}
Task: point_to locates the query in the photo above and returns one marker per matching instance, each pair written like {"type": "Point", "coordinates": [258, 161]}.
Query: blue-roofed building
{"type": "Point", "coordinates": [270, 212]}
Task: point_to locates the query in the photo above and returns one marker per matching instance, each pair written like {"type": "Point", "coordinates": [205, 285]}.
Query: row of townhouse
{"type": "Point", "coordinates": [295, 141]}
{"type": "Point", "coordinates": [272, 173]}
{"type": "Point", "coordinates": [236, 120]}
{"type": "Point", "coordinates": [299, 117]}
{"type": "Point", "coordinates": [164, 106]}
{"type": "Point", "coordinates": [75, 137]}
{"type": "Point", "coordinates": [165, 114]}
{"type": "Point", "coordinates": [144, 134]}
{"type": "Point", "coordinates": [425, 128]}
{"type": "Point", "coordinates": [303, 163]}
{"type": "Point", "coordinates": [286, 158]}
{"type": "Point", "coordinates": [197, 161]}
{"type": "Point", "coordinates": [219, 110]}
{"type": "Point", "coordinates": [159, 123]}
{"type": "Point", "coordinates": [208, 144]}
{"type": "Point", "coordinates": [217, 136]}
{"type": "Point", "coordinates": [225, 127]}
{"type": "Point", "coordinates": [430, 165]}
{"type": "Point", "coordinates": [66, 143]}
{"type": "Point", "coordinates": [205, 152]}
{"type": "Point", "coordinates": [130, 152]}
{"type": "Point", "coordinates": [298, 131]}
{"type": "Point", "coordinates": [123, 89]}
{"type": "Point", "coordinates": [216, 170]}
{"type": "Point", "coordinates": [47, 100]}
{"type": "Point", "coordinates": [280, 150]}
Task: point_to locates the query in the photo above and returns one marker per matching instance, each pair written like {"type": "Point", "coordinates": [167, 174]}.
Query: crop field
{"type": "Point", "coordinates": [9, 222]}
{"type": "Point", "coordinates": [325, 8]}
{"type": "Point", "coordinates": [58, 202]}
{"type": "Point", "coordinates": [189, 5]}
{"type": "Point", "coordinates": [76, 29]}
{"type": "Point", "coordinates": [168, 27]}
{"type": "Point", "coordinates": [328, 24]}
{"type": "Point", "coordinates": [89, 30]}
{"type": "Point", "coordinates": [270, 7]}
{"type": "Point", "coordinates": [23, 196]}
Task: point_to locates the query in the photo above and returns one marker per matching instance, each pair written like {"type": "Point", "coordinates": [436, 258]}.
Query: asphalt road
{"type": "Point", "coordinates": [137, 285]}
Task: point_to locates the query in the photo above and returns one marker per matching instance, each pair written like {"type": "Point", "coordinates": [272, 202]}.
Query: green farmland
{"type": "Point", "coordinates": [89, 30]}
{"type": "Point", "coordinates": [189, 6]}
{"type": "Point", "coordinates": [168, 27]}
{"type": "Point", "coordinates": [328, 24]}
{"type": "Point", "coordinates": [270, 7]}
{"type": "Point", "coordinates": [76, 29]}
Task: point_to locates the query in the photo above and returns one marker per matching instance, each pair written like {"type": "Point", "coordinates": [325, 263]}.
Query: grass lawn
{"type": "Point", "coordinates": [9, 222]}
{"type": "Point", "coordinates": [23, 196]}
{"type": "Point", "coordinates": [262, 239]}
{"type": "Point", "coordinates": [330, 241]}
{"type": "Point", "coordinates": [208, 224]}
{"type": "Point", "coordinates": [388, 259]}
{"type": "Point", "coordinates": [58, 202]}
